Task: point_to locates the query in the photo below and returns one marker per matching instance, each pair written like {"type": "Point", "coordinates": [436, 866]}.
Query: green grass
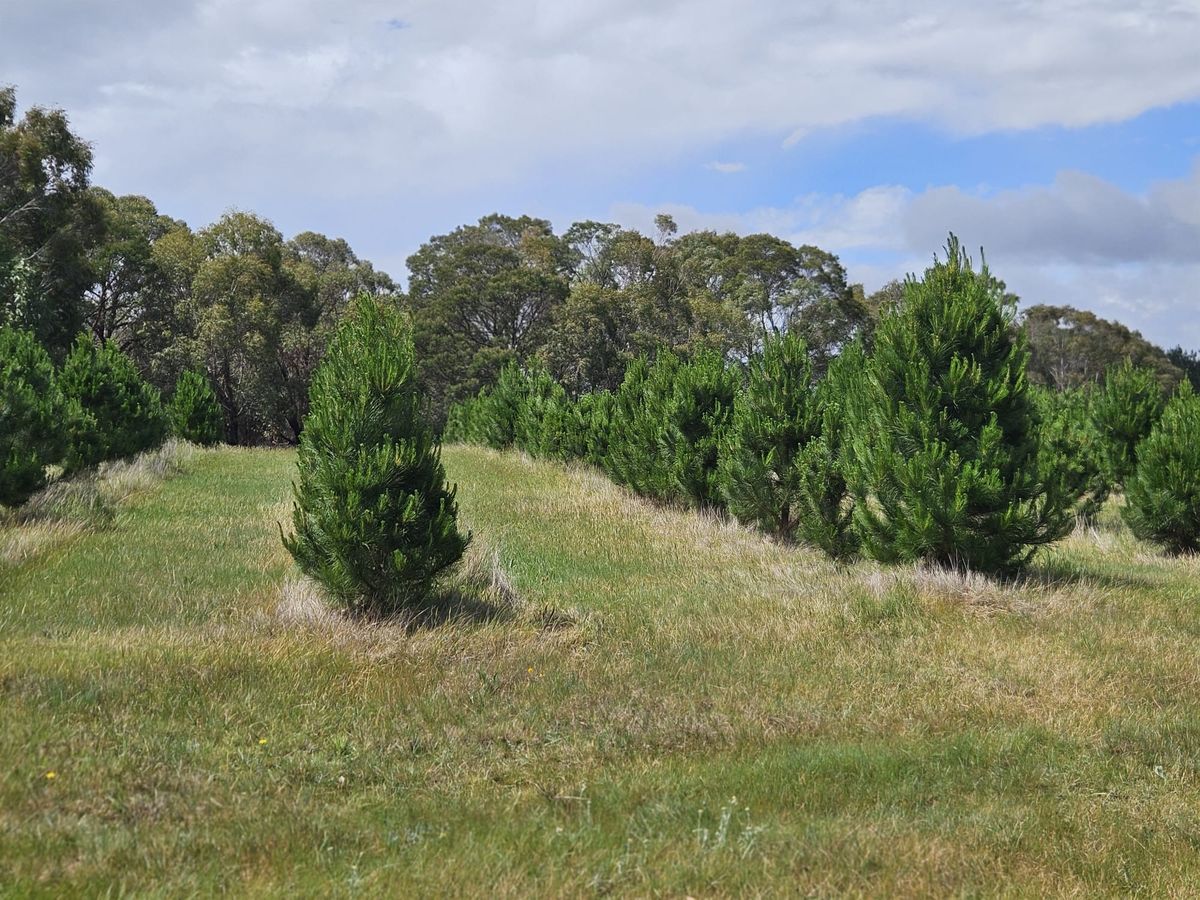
{"type": "Point", "coordinates": [678, 707]}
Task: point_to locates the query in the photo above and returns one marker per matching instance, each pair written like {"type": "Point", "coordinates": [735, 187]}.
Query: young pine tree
{"type": "Point", "coordinates": [500, 406]}
{"type": "Point", "coordinates": [824, 509]}
{"type": "Point", "coordinates": [945, 446]}
{"type": "Point", "coordinates": [119, 413]}
{"type": "Point", "coordinates": [595, 412]}
{"type": "Point", "coordinates": [193, 411]}
{"type": "Point", "coordinates": [1070, 448]}
{"type": "Point", "coordinates": [31, 414]}
{"type": "Point", "coordinates": [633, 456]}
{"type": "Point", "coordinates": [775, 417]}
{"type": "Point", "coordinates": [375, 522]}
{"type": "Point", "coordinates": [697, 405]}
{"type": "Point", "coordinates": [1163, 496]}
{"type": "Point", "coordinates": [1123, 412]}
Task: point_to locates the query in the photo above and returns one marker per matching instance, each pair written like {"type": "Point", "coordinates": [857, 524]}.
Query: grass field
{"type": "Point", "coordinates": [671, 706]}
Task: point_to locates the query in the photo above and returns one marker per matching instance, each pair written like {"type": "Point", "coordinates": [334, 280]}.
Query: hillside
{"type": "Point", "coordinates": [672, 705]}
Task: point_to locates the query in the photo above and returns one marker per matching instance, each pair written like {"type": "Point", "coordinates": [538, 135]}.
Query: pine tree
{"type": "Point", "coordinates": [824, 509]}
{"type": "Point", "coordinates": [194, 412]}
{"type": "Point", "coordinates": [634, 455]}
{"type": "Point", "coordinates": [666, 425]}
{"type": "Point", "coordinates": [1070, 453]}
{"type": "Point", "coordinates": [31, 413]}
{"type": "Point", "coordinates": [119, 413]}
{"type": "Point", "coordinates": [595, 414]}
{"type": "Point", "coordinates": [945, 442]}
{"type": "Point", "coordinates": [375, 522]}
{"type": "Point", "coordinates": [775, 417]}
{"type": "Point", "coordinates": [697, 408]}
{"type": "Point", "coordinates": [1126, 408]}
{"type": "Point", "coordinates": [500, 406]}
{"type": "Point", "coordinates": [1163, 496]}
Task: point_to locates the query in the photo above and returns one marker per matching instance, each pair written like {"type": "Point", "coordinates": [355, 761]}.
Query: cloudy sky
{"type": "Point", "coordinates": [1063, 136]}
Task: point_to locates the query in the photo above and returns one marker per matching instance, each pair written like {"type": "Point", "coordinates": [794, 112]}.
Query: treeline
{"type": "Point", "coordinates": [253, 312]}
{"type": "Point", "coordinates": [235, 302]}
{"type": "Point", "coordinates": [923, 441]}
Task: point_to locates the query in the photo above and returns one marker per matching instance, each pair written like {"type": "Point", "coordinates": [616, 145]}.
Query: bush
{"type": "Point", "coordinates": [119, 414]}
{"type": "Point", "coordinates": [1127, 407]}
{"type": "Point", "coordinates": [945, 447]}
{"type": "Point", "coordinates": [774, 418]}
{"type": "Point", "coordinates": [31, 414]}
{"type": "Point", "coordinates": [194, 413]}
{"type": "Point", "coordinates": [1163, 496]}
{"type": "Point", "coordinates": [541, 416]}
{"type": "Point", "coordinates": [375, 522]}
{"type": "Point", "coordinates": [1070, 449]}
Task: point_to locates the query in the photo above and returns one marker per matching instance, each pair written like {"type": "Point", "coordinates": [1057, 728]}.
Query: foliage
{"type": "Point", "coordinates": [1071, 453]}
{"type": "Point", "coordinates": [1163, 496]}
{"type": "Point", "coordinates": [1073, 347]}
{"type": "Point", "coordinates": [824, 508]}
{"type": "Point", "coordinates": [375, 522]}
{"type": "Point", "coordinates": [667, 422]}
{"type": "Point", "coordinates": [945, 446]}
{"type": "Point", "coordinates": [47, 222]}
{"type": "Point", "coordinates": [1123, 412]}
{"type": "Point", "coordinates": [118, 413]}
{"type": "Point", "coordinates": [1188, 362]}
{"type": "Point", "coordinates": [193, 411]}
{"type": "Point", "coordinates": [775, 417]}
{"type": "Point", "coordinates": [31, 412]}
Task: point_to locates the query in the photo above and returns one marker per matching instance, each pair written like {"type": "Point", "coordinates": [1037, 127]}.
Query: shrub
{"type": "Point", "coordinates": [1125, 410]}
{"type": "Point", "coordinates": [31, 413]}
{"type": "Point", "coordinates": [1163, 496]}
{"type": "Point", "coordinates": [945, 447]}
{"type": "Point", "coordinates": [1070, 448]}
{"type": "Point", "coordinates": [824, 509]}
{"type": "Point", "coordinates": [774, 418]}
{"type": "Point", "coordinates": [119, 414]}
{"type": "Point", "coordinates": [193, 411]}
{"type": "Point", "coordinates": [375, 522]}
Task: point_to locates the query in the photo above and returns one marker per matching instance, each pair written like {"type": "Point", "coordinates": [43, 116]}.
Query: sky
{"type": "Point", "coordinates": [1062, 137]}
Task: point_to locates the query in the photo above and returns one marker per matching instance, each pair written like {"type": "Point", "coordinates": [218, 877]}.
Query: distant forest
{"type": "Point", "coordinates": [253, 311]}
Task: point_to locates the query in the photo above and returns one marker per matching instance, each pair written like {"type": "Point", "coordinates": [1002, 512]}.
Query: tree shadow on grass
{"type": "Point", "coordinates": [1053, 574]}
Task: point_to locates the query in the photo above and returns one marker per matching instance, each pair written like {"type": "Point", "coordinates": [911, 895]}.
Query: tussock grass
{"type": "Point", "coordinates": [659, 703]}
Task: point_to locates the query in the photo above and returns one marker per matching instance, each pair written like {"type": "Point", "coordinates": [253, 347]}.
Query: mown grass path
{"type": "Point", "coordinates": [680, 707]}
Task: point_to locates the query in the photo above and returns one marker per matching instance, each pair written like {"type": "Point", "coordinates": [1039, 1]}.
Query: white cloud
{"type": "Point", "coordinates": [726, 168]}
{"type": "Point", "coordinates": [311, 94]}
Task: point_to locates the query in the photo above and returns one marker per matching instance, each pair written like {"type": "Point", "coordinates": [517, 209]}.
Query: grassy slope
{"type": "Point", "coordinates": [723, 716]}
